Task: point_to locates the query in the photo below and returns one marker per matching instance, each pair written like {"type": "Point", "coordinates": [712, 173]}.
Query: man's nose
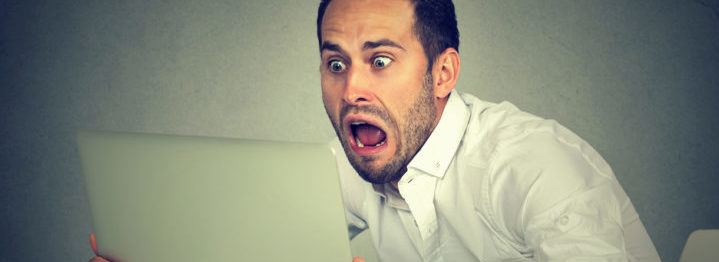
{"type": "Point", "coordinates": [357, 87]}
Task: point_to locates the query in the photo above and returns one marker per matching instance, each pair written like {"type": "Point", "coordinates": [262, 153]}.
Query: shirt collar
{"type": "Point", "coordinates": [393, 198]}
{"type": "Point", "coordinates": [439, 149]}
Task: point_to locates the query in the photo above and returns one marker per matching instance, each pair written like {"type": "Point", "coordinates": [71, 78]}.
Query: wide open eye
{"type": "Point", "coordinates": [381, 61]}
{"type": "Point", "coordinates": [337, 66]}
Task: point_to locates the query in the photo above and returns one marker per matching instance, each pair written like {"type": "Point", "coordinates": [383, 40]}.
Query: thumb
{"type": "Point", "coordinates": [358, 259]}
{"type": "Point", "coordinates": [93, 243]}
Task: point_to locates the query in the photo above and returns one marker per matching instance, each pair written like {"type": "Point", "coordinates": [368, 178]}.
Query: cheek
{"type": "Point", "coordinates": [401, 97]}
{"type": "Point", "coordinates": [330, 99]}
{"type": "Point", "coordinates": [330, 85]}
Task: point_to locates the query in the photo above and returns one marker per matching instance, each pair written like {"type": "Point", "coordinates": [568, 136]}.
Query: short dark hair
{"type": "Point", "coordinates": [435, 26]}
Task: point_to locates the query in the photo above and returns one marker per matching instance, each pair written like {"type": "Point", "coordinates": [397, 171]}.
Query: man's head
{"type": "Point", "coordinates": [387, 69]}
{"type": "Point", "coordinates": [435, 25]}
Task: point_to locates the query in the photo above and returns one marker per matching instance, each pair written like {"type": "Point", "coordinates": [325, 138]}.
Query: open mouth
{"type": "Point", "coordinates": [366, 138]}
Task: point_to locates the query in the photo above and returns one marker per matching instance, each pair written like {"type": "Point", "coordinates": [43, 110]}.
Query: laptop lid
{"type": "Point", "coordinates": [183, 198]}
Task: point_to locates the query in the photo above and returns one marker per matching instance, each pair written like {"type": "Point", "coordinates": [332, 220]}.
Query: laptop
{"type": "Point", "coordinates": [182, 198]}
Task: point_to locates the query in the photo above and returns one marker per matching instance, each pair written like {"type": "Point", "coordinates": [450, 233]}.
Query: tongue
{"type": "Point", "coordinates": [369, 135]}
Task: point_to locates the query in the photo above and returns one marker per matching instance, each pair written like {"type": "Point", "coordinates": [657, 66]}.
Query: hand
{"type": "Point", "coordinates": [357, 259]}
{"type": "Point", "coordinates": [93, 244]}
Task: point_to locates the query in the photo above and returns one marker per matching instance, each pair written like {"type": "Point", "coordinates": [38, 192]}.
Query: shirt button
{"type": "Point", "coordinates": [436, 165]}
{"type": "Point", "coordinates": [564, 220]}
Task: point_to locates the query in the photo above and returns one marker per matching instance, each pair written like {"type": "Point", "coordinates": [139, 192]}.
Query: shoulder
{"type": "Point", "coordinates": [531, 164]}
{"type": "Point", "coordinates": [544, 164]}
{"type": "Point", "coordinates": [503, 138]}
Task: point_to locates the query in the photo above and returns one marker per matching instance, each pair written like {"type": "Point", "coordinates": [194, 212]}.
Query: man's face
{"type": "Point", "coordinates": [375, 85]}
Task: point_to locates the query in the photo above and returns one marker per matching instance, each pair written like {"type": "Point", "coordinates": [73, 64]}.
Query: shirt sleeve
{"type": "Point", "coordinates": [555, 200]}
{"type": "Point", "coordinates": [586, 226]}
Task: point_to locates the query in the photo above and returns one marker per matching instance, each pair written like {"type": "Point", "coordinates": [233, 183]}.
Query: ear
{"type": "Point", "coordinates": [445, 72]}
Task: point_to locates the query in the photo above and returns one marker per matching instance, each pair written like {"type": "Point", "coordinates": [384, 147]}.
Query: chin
{"type": "Point", "coordinates": [375, 170]}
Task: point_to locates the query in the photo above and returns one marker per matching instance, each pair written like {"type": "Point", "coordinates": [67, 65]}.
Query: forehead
{"type": "Point", "coordinates": [364, 20]}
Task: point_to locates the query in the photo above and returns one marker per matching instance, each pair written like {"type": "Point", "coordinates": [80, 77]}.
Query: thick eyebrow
{"type": "Point", "coordinates": [326, 45]}
{"type": "Point", "coordinates": [382, 42]}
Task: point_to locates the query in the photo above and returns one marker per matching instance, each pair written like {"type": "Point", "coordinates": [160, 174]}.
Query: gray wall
{"type": "Point", "coordinates": [636, 79]}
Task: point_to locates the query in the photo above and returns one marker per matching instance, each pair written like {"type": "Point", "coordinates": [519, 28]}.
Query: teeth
{"type": "Point", "coordinates": [356, 123]}
{"type": "Point", "coordinates": [359, 144]}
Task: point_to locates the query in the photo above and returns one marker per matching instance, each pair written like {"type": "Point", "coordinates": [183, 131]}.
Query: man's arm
{"type": "Point", "coordinates": [556, 197]}
{"type": "Point", "coordinates": [587, 225]}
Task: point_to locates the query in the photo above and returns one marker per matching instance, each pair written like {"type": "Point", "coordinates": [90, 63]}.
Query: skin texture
{"type": "Point", "coordinates": [401, 96]}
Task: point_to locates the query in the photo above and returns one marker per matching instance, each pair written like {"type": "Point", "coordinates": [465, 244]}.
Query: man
{"type": "Point", "coordinates": [446, 176]}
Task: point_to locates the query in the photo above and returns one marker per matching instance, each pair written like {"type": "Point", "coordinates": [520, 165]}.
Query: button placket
{"type": "Point", "coordinates": [418, 192]}
{"type": "Point", "coordinates": [421, 204]}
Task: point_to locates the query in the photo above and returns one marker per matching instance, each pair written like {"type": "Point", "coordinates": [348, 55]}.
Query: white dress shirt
{"type": "Point", "coordinates": [493, 183]}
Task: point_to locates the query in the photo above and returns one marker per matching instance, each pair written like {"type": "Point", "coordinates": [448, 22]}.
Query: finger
{"type": "Point", "coordinates": [98, 259]}
{"type": "Point", "coordinates": [93, 244]}
{"type": "Point", "coordinates": [358, 259]}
